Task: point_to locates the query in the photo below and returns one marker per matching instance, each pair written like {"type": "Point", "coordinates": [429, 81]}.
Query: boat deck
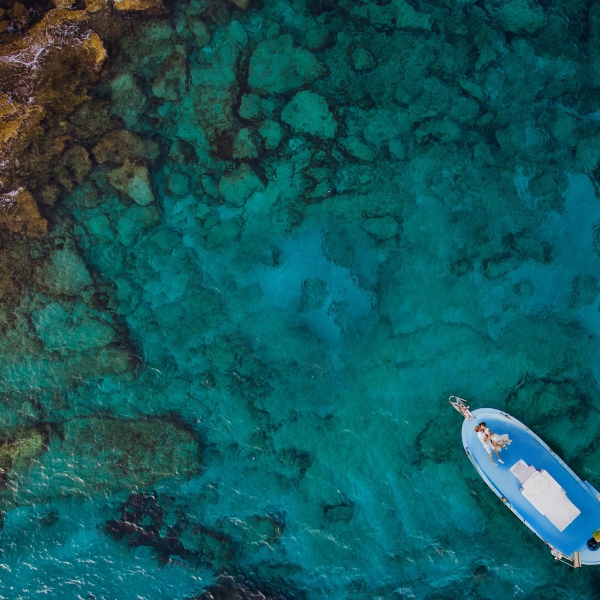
{"type": "Point", "coordinates": [529, 447]}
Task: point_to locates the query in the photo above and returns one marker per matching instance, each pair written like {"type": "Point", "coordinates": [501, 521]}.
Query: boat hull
{"type": "Point", "coordinates": [534, 451]}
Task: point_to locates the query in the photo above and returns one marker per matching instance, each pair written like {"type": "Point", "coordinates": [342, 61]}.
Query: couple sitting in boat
{"type": "Point", "coordinates": [492, 442]}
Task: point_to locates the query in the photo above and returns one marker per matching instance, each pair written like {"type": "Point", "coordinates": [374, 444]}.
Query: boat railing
{"type": "Point", "coordinates": [460, 404]}
{"type": "Point", "coordinates": [574, 561]}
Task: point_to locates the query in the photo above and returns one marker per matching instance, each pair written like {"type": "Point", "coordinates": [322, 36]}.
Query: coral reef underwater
{"type": "Point", "coordinates": [247, 250]}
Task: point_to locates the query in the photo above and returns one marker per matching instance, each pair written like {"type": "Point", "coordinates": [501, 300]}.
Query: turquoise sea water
{"type": "Point", "coordinates": [309, 224]}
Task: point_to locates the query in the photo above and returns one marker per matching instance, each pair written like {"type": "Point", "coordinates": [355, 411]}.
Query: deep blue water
{"type": "Point", "coordinates": [325, 219]}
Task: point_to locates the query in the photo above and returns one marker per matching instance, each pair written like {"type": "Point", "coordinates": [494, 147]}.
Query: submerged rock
{"type": "Point", "coordinates": [397, 149]}
{"type": "Point", "coordinates": [308, 112]}
{"type": "Point", "coordinates": [378, 15]}
{"type": "Point", "coordinates": [214, 546]}
{"type": "Point", "coordinates": [142, 523]}
{"type": "Point", "coordinates": [339, 513]}
{"type": "Point", "coordinates": [118, 145]}
{"type": "Point", "coordinates": [19, 15]}
{"type": "Point", "coordinates": [213, 83]}
{"type": "Point", "coordinates": [517, 16]}
{"type": "Point", "coordinates": [76, 330]}
{"type": "Point", "coordinates": [128, 100]}
{"type": "Point", "coordinates": [588, 152]}
{"type": "Point", "coordinates": [317, 37]}
{"type": "Point", "coordinates": [224, 232]}
{"type": "Point", "coordinates": [19, 448]}
{"type": "Point", "coordinates": [357, 149]}
{"type": "Point", "coordinates": [102, 455]}
{"type": "Point", "coordinates": [65, 273]}
{"type": "Point", "coordinates": [271, 133]}
{"type": "Point", "coordinates": [170, 529]}
{"type": "Point", "coordinates": [277, 67]}
{"type": "Point", "coordinates": [227, 588]}
{"type": "Point", "coordinates": [444, 130]}
{"type": "Point", "coordinates": [133, 179]}
{"type": "Point", "coordinates": [199, 31]}
{"type": "Point", "coordinates": [585, 290]}
{"type": "Point", "coordinates": [238, 186]}
{"type": "Point", "coordinates": [135, 222]}
{"type": "Point", "coordinates": [250, 107]}
{"type": "Point", "coordinates": [314, 294]}
{"type": "Point", "coordinates": [91, 120]}
{"type": "Point", "coordinates": [362, 60]}
{"type": "Point", "coordinates": [19, 214]}
{"type": "Point", "coordinates": [243, 145]}
{"type": "Point", "coordinates": [540, 400]}
{"type": "Point", "coordinates": [408, 18]}
{"type": "Point", "coordinates": [243, 4]}
{"type": "Point", "coordinates": [565, 129]}
{"type": "Point", "coordinates": [154, 6]}
{"type": "Point", "coordinates": [254, 531]}
{"type": "Point", "coordinates": [73, 167]}
{"type": "Point", "coordinates": [382, 228]}
{"type": "Point", "coordinates": [178, 184]}
{"type": "Point", "coordinates": [171, 79]}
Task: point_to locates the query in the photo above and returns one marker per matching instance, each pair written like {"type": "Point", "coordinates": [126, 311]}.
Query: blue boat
{"type": "Point", "coordinates": [536, 485]}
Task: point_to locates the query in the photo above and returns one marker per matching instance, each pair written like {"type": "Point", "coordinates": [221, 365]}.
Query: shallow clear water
{"type": "Point", "coordinates": [334, 216]}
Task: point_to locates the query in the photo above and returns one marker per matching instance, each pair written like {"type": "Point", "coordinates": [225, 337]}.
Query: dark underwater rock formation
{"type": "Point", "coordinates": [118, 145]}
{"type": "Point", "coordinates": [277, 67]}
{"type": "Point", "coordinates": [336, 513]}
{"type": "Point", "coordinates": [253, 532]}
{"type": "Point", "coordinates": [19, 214]}
{"type": "Point", "coordinates": [165, 526]}
{"type": "Point", "coordinates": [228, 588]}
{"type": "Point", "coordinates": [19, 448]}
{"type": "Point", "coordinates": [142, 523]}
{"type": "Point", "coordinates": [173, 527]}
{"type": "Point", "coordinates": [100, 455]}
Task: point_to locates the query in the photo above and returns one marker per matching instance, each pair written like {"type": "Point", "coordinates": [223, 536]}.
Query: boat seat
{"type": "Point", "coordinates": [546, 495]}
{"type": "Point", "coordinates": [522, 471]}
{"type": "Point", "coordinates": [551, 481]}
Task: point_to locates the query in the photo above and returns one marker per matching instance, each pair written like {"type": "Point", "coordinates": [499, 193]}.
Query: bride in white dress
{"type": "Point", "coordinates": [500, 442]}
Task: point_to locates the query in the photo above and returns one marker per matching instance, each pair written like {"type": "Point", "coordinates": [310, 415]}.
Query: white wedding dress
{"type": "Point", "coordinates": [500, 441]}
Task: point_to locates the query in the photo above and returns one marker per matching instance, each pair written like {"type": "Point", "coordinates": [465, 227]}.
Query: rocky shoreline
{"type": "Point", "coordinates": [48, 69]}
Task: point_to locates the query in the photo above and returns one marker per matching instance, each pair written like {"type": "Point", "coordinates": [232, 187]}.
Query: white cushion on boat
{"type": "Point", "coordinates": [551, 481]}
{"type": "Point", "coordinates": [522, 471]}
{"type": "Point", "coordinates": [550, 499]}
{"type": "Point", "coordinates": [535, 485]}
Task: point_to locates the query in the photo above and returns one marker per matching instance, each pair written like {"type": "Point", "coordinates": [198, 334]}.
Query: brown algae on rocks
{"type": "Point", "coordinates": [87, 456]}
